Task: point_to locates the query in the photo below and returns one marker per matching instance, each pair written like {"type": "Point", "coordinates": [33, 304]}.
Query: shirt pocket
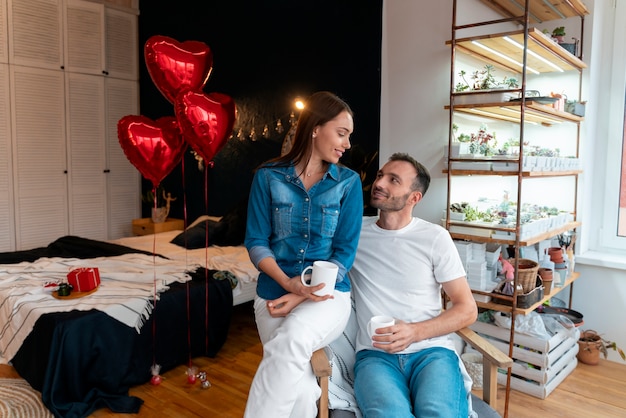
{"type": "Point", "coordinates": [330, 219]}
{"type": "Point", "coordinates": [281, 216]}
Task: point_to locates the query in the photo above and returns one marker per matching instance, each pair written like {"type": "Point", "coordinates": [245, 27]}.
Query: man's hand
{"type": "Point", "coordinates": [400, 336]}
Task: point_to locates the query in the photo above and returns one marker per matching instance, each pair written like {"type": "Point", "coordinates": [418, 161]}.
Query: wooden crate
{"type": "Point", "coordinates": [539, 365]}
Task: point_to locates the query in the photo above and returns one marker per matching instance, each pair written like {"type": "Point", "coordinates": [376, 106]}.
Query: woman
{"type": "Point", "coordinates": [303, 207]}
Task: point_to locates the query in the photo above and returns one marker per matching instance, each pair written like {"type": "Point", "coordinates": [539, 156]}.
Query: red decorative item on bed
{"type": "Point", "coordinates": [84, 279]}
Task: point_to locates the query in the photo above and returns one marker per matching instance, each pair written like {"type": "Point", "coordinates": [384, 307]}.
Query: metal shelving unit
{"type": "Point", "coordinates": [523, 51]}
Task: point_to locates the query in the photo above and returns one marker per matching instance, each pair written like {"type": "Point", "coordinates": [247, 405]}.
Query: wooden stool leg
{"type": "Point", "coordinates": [322, 370]}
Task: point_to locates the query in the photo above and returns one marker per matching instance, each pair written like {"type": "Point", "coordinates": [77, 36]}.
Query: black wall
{"type": "Point", "coordinates": [266, 53]}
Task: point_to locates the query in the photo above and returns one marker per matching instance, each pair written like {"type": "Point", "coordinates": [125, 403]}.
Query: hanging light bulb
{"type": "Point", "coordinates": [253, 136]}
{"type": "Point", "coordinates": [240, 135]}
{"type": "Point", "coordinates": [292, 118]}
{"type": "Point", "coordinates": [279, 127]}
{"type": "Point", "coordinates": [266, 132]}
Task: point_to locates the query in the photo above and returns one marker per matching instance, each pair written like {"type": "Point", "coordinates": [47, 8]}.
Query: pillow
{"type": "Point", "coordinates": [230, 230]}
{"type": "Point", "coordinates": [204, 218]}
{"type": "Point", "coordinates": [195, 236]}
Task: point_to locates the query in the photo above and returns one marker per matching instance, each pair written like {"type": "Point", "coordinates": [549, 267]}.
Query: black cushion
{"type": "Point", "coordinates": [197, 237]}
{"type": "Point", "coordinates": [228, 231]}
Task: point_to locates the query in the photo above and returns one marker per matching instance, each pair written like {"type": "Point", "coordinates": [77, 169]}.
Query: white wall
{"type": "Point", "coordinates": [415, 88]}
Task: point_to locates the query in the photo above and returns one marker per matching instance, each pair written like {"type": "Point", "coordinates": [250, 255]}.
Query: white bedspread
{"type": "Point", "coordinates": [128, 286]}
{"type": "Point", "coordinates": [234, 259]}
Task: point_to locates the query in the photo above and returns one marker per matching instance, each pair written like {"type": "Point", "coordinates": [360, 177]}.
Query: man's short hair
{"type": "Point", "coordinates": [422, 180]}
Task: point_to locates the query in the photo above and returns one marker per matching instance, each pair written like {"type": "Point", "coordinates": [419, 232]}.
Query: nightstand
{"type": "Point", "coordinates": [145, 226]}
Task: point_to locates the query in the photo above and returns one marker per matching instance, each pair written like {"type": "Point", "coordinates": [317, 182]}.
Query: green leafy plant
{"type": "Point", "coordinates": [590, 339]}
{"type": "Point", "coordinates": [482, 142]}
{"type": "Point", "coordinates": [484, 79]}
{"type": "Point", "coordinates": [558, 31]}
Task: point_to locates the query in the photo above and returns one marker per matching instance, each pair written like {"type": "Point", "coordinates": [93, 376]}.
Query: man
{"type": "Point", "coordinates": [409, 369]}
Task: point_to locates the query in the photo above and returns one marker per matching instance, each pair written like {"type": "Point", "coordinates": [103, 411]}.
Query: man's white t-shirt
{"type": "Point", "coordinates": [399, 273]}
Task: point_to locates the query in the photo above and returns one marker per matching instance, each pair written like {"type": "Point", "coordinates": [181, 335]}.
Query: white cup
{"type": "Point", "coordinates": [379, 321]}
{"type": "Point", "coordinates": [323, 272]}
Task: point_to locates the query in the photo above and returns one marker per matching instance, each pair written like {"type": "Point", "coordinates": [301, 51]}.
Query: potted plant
{"type": "Point", "coordinates": [591, 344]}
{"type": "Point", "coordinates": [161, 209]}
{"type": "Point", "coordinates": [558, 33]}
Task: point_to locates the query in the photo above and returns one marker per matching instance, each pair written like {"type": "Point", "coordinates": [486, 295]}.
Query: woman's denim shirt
{"type": "Point", "coordinates": [297, 227]}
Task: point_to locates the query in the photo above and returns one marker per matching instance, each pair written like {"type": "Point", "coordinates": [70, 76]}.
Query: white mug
{"type": "Point", "coordinates": [379, 321]}
{"type": "Point", "coordinates": [323, 272]}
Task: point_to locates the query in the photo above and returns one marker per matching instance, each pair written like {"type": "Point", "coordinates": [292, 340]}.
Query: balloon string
{"type": "Point", "coordinates": [154, 282]}
{"type": "Point", "coordinates": [206, 261]}
{"type": "Point", "coordinates": [187, 284]}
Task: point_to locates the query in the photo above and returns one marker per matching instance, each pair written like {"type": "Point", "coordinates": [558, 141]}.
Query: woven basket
{"type": "Point", "coordinates": [527, 273]}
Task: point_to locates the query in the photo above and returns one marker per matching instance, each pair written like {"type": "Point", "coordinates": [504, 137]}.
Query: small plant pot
{"type": "Point", "coordinates": [589, 348]}
{"type": "Point", "coordinates": [547, 286]}
{"type": "Point", "coordinates": [556, 254]}
{"type": "Point", "coordinates": [159, 214]}
{"type": "Point", "coordinates": [547, 275]}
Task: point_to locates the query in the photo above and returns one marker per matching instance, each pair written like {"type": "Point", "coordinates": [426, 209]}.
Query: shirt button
{"type": "Point", "coordinates": [306, 199]}
{"type": "Point", "coordinates": [301, 251]}
{"type": "Point", "coordinates": [306, 219]}
{"type": "Point", "coordinates": [306, 235]}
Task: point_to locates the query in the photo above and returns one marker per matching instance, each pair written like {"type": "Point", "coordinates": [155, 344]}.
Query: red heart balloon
{"type": "Point", "coordinates": [206, 121]}
{"type": "Point", "coordinates": [154, 147]}
{"type": "Point", "coordinates": [177, 66]}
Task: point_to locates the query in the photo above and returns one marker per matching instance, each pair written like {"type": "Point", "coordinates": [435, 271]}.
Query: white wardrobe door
{"type": "Point", "coordinates": [86, 155]}
{"type": "Point", "coordinates": [122, 59]}
{"type": "Point", "coordinates": [84, 37]}
{"type": "Point", "coordinates": [7, 231]}
{"type": "Point", "coordinates": [124, 180]}
{"type": "Point", "coordinates": [39, 157]}
{"type": "Point", "coordinates": [4, 55]}
{"type": "Point", "coordinates": [35, 33]}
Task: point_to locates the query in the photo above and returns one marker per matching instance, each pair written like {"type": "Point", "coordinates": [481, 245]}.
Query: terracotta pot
{"type": "Point", "coordinates": [589, 351]}
{"type": "Point", "coordinates": [556, 254]}
{"type": "Point", "coordinates": [547, 286]}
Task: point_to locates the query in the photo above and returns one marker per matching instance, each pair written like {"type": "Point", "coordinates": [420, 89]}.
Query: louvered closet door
{"type": "Point", "coordinates": [35, 33]}
{"type": "Point", "coordinates": [84, 37]}
{"type": "Point", "coordinates": [4, 56]}
{"type": "Point", "coordinates": [124, 181]}
{"type": "Point", "coordinates": [7, 231]}
{"type": "Point", "coordinates": [39, 156]}
{"type": "Point", "coordinates": [86, 155]}
{"type": "Point", "coordinates": [122, 53]}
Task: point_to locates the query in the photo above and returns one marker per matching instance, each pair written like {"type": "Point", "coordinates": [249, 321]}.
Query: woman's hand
{"type": "Point", "coordinates": [283, 305]}
{"type": "Point", "coordinates": [296, 287]}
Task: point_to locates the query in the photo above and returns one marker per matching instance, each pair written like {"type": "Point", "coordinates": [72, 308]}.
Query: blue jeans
{"type": "Point", "coordinates": [428, 383]}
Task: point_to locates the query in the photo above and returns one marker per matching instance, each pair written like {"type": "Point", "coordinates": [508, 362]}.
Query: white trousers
{"type": "Point", "coordinates": [284, 384]}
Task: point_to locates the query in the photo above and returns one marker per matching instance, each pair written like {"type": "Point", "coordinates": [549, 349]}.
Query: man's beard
{"type": "Point", "coordinates": [393, 204]}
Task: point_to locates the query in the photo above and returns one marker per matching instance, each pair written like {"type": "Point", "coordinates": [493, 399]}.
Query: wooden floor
{"type": "Point", "coordinates": [590, 391]}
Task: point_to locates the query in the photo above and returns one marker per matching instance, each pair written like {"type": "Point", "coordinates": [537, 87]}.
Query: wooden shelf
{"type": "Point", "coordinates": [523, 243]}
{"type": "Point", "coordinates": [534, 112]}
{"type": "Point", "coordinates": [506, 50]}
{"type": "Point", "coordinates": [539, 10]}
{"type": "Point", "coordinates": [524, 311]}
{"type": "Point", "coordinates": [527, 174]}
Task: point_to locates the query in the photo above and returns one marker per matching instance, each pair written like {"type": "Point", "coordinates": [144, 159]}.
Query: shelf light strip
{"type": "Point", "coordinates": [492, 51]}
{"type": "Point", "coordinates": [534, 54]}
{"type": "Point", "coordinates": [534, 115]}
{"type": "Point", "coordinates": [497, 115]}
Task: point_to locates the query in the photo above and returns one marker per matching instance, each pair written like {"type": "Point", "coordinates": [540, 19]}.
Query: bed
{"type": "Point", "coordinates": [82, 356]}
